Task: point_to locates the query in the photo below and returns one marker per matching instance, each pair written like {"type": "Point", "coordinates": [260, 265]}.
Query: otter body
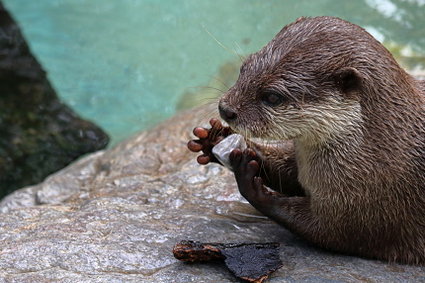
{"type": "Point", "coordinates": [349, 173]}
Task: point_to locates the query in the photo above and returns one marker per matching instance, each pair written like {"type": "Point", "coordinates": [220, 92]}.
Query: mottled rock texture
{"type": "Point", "coordinates": [114, 216]}
{"type": "Point", "coordinates": [38, 134]}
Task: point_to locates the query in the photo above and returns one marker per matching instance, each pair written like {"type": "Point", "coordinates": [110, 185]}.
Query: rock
{"type": "Point", "coordinates": [125, 208]}
{"type": "Point", "coordinates": [39, 134]}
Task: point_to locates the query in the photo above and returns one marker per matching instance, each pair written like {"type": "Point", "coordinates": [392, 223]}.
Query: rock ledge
{"type": "Point", "coordinates": [115, 216]}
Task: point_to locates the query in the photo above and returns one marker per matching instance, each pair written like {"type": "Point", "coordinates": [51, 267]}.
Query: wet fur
{"type": "Point", "coordinates": [351, 166]}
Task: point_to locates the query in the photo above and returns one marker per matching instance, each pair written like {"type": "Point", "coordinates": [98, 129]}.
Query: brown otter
{"type": "Point", "coordinates": [349, 174]}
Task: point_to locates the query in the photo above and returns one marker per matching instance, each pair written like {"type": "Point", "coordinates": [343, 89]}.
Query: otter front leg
{"type": "Point", "coordinates": [292, 212]}
{"type": "Point", "coordinates": [247, 171]}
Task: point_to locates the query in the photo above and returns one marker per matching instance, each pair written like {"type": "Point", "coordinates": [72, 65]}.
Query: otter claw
{"type": "Point", "coordinates": [250, 152]}
{"type": "Point", "coordinates": [252, 168]}
{"type": "Point", "coordinates": [194, 146]}
{"type": "Point", "coordinates": [200, 132]}
{"type": "Point", "coordinates": [203, 159]}
{"type": "Point", "coordinates": [235, 158]}
{"type": "Point", "coordinates": [215, 123]}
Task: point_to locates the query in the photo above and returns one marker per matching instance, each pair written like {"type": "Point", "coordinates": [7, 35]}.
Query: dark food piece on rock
{"type": "Point", "coordinates": [38, 134]}
{"type": "Point", "coordinates": [253, 262]}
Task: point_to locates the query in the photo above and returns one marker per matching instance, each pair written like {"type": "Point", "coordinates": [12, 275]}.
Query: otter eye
{"type": "Point", "coordinates": [271, 98]}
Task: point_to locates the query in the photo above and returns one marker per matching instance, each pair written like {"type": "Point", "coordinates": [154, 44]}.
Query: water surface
{"type": "Point", "coordinates": [126, 64]}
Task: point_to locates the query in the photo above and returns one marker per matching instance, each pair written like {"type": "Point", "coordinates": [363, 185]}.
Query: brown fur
{"type": "Point", "coordinates": [352, 175]}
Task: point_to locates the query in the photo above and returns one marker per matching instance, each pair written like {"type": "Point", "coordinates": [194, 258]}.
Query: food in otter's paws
{"type": "Point", "coordinates": [223, 149]}
{"type": "Point", "coordinates": [253, 262]}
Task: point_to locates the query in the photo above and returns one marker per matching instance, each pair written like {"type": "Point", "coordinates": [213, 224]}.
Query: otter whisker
{"type": "Point", "coordinates": [218, 42]}
{"type": "Point", "coordinates": [221, 82]}
{"type": "Point", "coordinates": [208, 88]}
{"type": "Point", "coordinates": [241, 57]}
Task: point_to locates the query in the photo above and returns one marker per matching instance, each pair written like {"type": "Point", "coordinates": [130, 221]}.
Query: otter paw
{"type": "Point", "coordinates": [242, 165]}
{"type": "Point", "coordinates": [246, 168]}
{"type": "Point", "coordinates": [208, 138]}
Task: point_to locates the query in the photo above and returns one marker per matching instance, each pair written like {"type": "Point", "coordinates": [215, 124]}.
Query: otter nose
{"type": "Point", "coordinates": [227, 113]}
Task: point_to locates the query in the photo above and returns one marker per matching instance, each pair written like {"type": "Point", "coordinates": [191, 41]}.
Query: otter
{"type": "Point", "coordinates": [341, 161]}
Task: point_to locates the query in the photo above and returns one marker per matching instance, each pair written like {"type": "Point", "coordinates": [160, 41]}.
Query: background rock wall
{"type": "Point", "coordinates": [38, 134]}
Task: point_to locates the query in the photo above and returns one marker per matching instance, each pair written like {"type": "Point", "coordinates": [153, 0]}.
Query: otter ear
{"type": "Point", "coordinates": [348, 79]}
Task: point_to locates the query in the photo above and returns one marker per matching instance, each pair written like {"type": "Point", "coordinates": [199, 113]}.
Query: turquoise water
{"type": "Point", "coordinates": [126, 63]}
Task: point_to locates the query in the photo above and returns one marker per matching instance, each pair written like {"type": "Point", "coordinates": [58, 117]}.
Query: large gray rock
{"type": "Point", "coordinates": [38, 133]}
{"type": "Point", "coordinates": [114, 216]}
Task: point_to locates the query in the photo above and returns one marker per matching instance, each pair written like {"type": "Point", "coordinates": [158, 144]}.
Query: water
{"type": "Point", "coordinates": [126, 64]}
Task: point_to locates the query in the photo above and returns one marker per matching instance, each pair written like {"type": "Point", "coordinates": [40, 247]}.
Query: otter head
{"type": "Point", "coordinates": [307, 83]}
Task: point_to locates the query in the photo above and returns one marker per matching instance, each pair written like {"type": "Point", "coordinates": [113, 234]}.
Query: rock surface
{"type": "Point", "coordinates": [114, 216]}
{"type": "Point", "coordinates": [39, 134]}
